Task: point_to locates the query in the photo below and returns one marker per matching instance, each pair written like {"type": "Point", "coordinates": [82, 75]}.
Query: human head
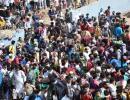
{"type": "Point", "coordinates": [13, 42]}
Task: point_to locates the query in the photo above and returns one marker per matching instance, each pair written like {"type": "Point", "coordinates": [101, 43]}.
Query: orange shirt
{"type": "Point", "coordinates": [9, 61]}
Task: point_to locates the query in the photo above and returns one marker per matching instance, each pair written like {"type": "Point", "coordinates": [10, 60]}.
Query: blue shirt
{"type": "Point", "coordinates": [125, 65]}
{"type": "Point", "coordinates": [1, 78]}
{"type": "Point", "coordinates": [24, 62]}
{"type": "Point", "coordinates": [118, 32]}
{"type": "Point", "coordinates": [38, 98]}
{"type": "Point", "coordinates": [126, 77]}
{"type": "Point", "coordinates": [70, 54]}
{"type": "Point", "coordinates": [116, 62]}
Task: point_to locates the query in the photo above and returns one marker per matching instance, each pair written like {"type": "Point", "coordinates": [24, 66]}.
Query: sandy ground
{"type": "Point", "coordinates": [47, 20]}
{"type": "Point", "coordinates": [6, 34]}
{"type": "Point", "coordinates": [127, 16]}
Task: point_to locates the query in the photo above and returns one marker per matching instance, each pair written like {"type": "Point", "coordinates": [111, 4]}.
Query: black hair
{"type": "Point", "coordinates": [109, 7]}
{"type": "Point", "coordinates": [103, 75]}
{"type": "Point", "coordinates": [13, 42]}
{"type": "Point", "coordinates": [119, 89]}
{"type": "Point", "coordinates": [122, 72]}
{"type": "Point", "coordinates": [112, 80]}
{"type": "Point", "coordinates": [106, 92]}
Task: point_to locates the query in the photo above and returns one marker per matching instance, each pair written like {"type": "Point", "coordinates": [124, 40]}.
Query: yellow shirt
{"type": "Point", "coordinates": [11, 49]}
{"type": "Point", "coordinates": [2, 22]}
{"type": "Point", "coordinates": [97, 31]}
{"type": "Point", "coordinates": [81, 48]}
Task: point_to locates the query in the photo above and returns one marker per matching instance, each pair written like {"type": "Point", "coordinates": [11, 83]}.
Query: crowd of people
{"type": "Point", "coordinates": [45, 3]}
{"type": "Point", "coordinates": [88, 59]}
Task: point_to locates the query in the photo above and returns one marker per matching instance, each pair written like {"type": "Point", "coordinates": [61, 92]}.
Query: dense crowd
{"type": "Point", "coordinates": [88, 59]}
{"type": "Point", "coordinates": [45, 3]}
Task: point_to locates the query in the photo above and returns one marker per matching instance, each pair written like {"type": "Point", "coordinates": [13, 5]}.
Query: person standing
{"type": "Point", "coordinates": [1, 81]}
{"type": "Point", "coordinates": [17, 4]}
{"type": "Point", "coordinates": [7, 85]}
{"type": "Point", "coordinates": [48, 2]}
{"type": "Point", "coordinates": [18, 81]}
{"type": "Point", "coordinates": [118, 31]}
{"type": "Point", "coordinates": [11, 3]}
{"type": "Point", "coordinates": [12, 48]}
{"type": "Point", "coordinates": [27, 25]}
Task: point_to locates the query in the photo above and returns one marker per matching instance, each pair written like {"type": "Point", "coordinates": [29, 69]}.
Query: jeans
{"type": "Point", "coordinates": [6, 93]}
{"type": "Point", "coordinates": [1, 92]}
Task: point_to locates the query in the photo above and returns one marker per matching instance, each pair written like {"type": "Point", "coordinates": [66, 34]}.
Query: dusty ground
{"type": "Point", "coordinates": [6, 34]}
{"type": "Point", "coordinates": [127, 16]}
{"type": "Point", "coordinates": [47, 20]}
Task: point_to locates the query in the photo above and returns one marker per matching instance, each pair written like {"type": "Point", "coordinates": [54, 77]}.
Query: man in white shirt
{"type": "Point", "coordinates": [112, 87]}
{"type": "Point", "coordinates": [86, 53]}
{"type": "Point", "coordinates": [18, 80]}
{"type": "Point", "coordinates": [69, 25]}
{"type": "Point", "coordinates": [27, 24]}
